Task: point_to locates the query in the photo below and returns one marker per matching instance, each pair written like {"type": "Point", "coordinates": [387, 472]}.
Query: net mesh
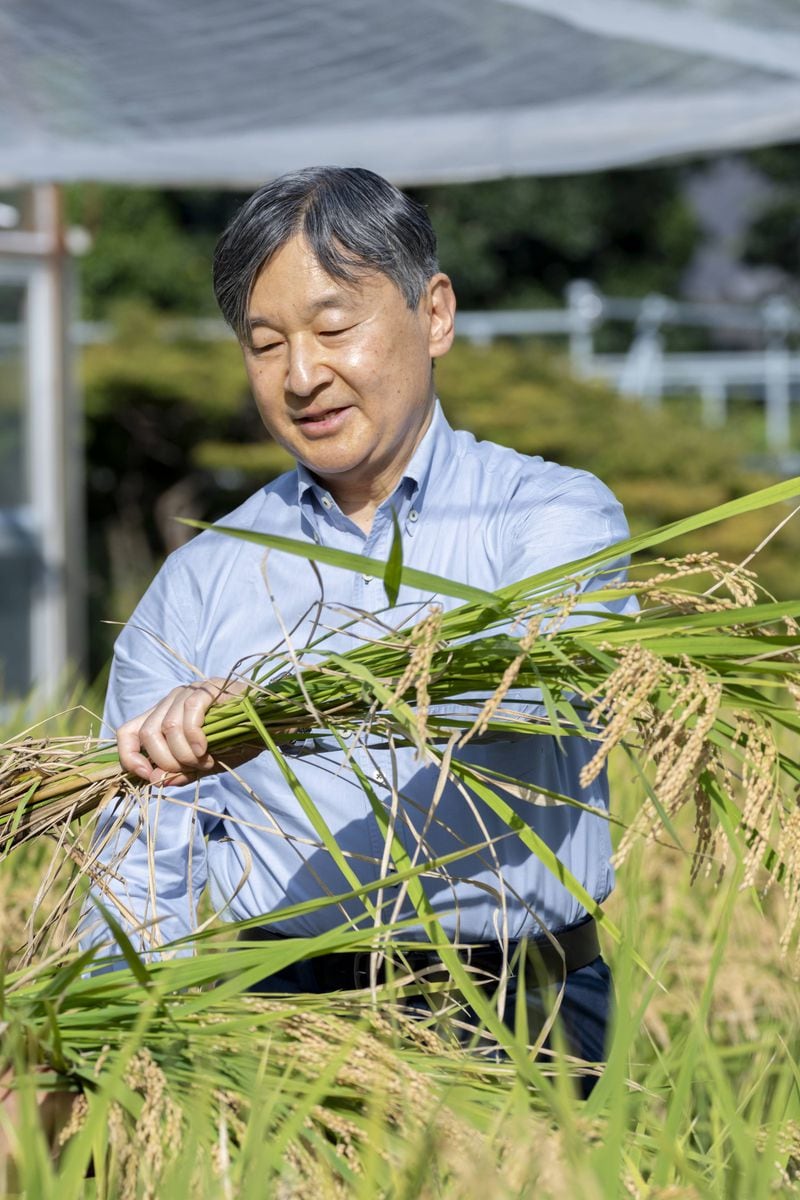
{"type": "Point", "coordinates": [232, 91]}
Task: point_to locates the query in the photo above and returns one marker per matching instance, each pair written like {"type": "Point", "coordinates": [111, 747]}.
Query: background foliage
{"type": "Point", "coordinates": [171, 431]}
{"type": "Point", "coordinates": [773, 238]}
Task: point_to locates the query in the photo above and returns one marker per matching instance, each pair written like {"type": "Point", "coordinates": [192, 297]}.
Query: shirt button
{"type": "Point", "coordinates": [327, 502]}
{"type": "Point", "coordinates": [413, 515]}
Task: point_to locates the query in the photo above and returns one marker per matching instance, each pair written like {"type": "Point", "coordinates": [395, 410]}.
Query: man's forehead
{"type": "Point", "coordinates": [311, 292]}
{"type": "Point", "coordinates": [313, 306]}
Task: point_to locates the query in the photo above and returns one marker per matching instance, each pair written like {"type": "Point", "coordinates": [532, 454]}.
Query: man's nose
{"type": "Point", "coordinates": [306, 369]}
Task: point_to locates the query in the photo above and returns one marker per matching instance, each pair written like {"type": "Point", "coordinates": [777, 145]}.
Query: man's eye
{"type": "Point", "coordinates": [266, 347]}
{"type": "Point", "coordinates": [335, 332]}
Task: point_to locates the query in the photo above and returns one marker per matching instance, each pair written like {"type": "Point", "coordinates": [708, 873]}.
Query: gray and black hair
{"type": "Point", "coordinates": [354, 221]}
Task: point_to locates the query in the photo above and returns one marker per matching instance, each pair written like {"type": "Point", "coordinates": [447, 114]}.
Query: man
{"type": "Point", "coordinates": [330, 281]}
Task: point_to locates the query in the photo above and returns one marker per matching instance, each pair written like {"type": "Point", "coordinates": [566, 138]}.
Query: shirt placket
{"type": "Point", "coordinates": [366, 594]}
{"type": "Point", "coordinates": [369, 595]}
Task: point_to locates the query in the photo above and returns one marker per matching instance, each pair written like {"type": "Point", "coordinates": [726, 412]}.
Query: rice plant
{"type": "Point", "coordinates": [187, 1082]}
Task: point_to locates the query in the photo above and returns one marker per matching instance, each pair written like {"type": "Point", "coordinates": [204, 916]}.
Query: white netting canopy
{"type": "Point", "coordinates": [232, 91]}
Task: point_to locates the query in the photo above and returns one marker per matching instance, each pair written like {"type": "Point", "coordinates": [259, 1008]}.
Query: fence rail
{"type": "Point", "coordinates": [768, 369]}
{"type": "Point", "coordinates": [769, 373]}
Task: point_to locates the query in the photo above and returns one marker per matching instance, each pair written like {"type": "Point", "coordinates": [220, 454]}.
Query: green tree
{"type": "Point", "coordinates": [505, 242]}
{"type": "Point", "coordinates": [773, 238]}
{"type": "Point", "coordinates": [149, 245]}
{"type": "Point", "coordinates": [515, 242]}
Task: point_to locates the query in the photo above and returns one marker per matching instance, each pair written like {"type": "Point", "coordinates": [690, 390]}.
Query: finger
{"type": "Point", "coordinates": [182, 725]}
{"type": "Point", "coordinates": [177, 728]}
{"type": "Point", "coordinates": [197, 703]}
{"type": "Point", "coordinates": [129, 748]}
{"type": "Point", "coordinates": [155, 747]}
{"type": "Point", "coordinates": [202, 697]}
{"type": "Point", "coordinates": [153, 740]}
{"type": "Point", "coordinates": [167, 741]}
{"type": "Point", "coordinates": [167, 748]}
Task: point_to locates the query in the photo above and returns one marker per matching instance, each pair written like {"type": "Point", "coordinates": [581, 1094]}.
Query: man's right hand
{"type": "Point", "coordinates": [166, 744]}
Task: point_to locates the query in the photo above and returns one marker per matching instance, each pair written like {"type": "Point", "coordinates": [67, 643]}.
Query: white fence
{"type": "Point", "coordinates": [766, 370]}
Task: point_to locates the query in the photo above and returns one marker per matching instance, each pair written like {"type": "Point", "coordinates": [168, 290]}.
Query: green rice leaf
{"type": "Point", "coordinates": [355, 562]}
{"type": "Point", "coordinates": [394, 564]}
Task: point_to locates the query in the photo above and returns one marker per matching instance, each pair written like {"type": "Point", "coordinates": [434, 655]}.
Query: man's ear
{"type": "Point", "coordinates": [440, 300]}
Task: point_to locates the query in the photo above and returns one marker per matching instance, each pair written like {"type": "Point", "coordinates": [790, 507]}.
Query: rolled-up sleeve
{"type": "Point", "coordinates": [149, 852]}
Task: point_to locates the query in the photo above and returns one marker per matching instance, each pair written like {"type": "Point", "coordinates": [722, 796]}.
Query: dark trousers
{"type": "Point", "coordinates": [583, 1016]}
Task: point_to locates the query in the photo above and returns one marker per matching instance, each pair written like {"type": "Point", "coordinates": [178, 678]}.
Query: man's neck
{"type": "Point", "coordinates": [360, 503]}
{"type": "Point", "coordinates": [360, 498]}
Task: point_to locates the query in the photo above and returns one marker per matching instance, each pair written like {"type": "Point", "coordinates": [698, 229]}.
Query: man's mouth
{"type": "Point", "coordinates": [327, 421]}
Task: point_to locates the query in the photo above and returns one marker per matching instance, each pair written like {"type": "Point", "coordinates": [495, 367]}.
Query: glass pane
{"type": "Point", "coordinates": [17, 570]}
{"type": "Point", "coordinates": [13, 457]}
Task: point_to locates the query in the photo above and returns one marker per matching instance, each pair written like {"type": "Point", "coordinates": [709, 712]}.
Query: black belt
{"type": "Point", "coordinates": [576, 946]}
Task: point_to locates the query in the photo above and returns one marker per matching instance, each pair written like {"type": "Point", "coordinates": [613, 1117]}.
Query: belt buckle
{"type": "Point", "coordinates": [361, 969]}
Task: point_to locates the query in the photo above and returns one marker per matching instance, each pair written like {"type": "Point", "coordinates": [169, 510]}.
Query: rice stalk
{"type": "Point", "coordinates": [310, 1097]}
{"type": "Point", "coordinates": [693, 681]}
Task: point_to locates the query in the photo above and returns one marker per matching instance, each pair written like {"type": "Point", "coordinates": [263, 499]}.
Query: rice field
{"type": "Point", "coordinates": [229, 1098]}
{"type": "Point", "coordinates": [164, 1078]}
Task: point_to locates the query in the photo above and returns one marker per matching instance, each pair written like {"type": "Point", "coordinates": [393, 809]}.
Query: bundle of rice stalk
{"type": "Point", "coordinates": [707, 669]}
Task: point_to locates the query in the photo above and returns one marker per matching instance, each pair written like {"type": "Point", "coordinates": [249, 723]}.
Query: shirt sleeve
{"type": "Point", "coordinates": [567, 516]}
{"type": "Point", "coordinates": [572, 517]}
{"type": "Point", "coordinates": [150, 855]}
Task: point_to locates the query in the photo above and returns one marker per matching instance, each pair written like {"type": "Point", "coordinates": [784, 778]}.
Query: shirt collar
{"type": "Point", "coordinates": [435, 444]}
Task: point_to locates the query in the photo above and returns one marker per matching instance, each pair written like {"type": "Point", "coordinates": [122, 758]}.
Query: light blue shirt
{"type": "Point", "coordinates": [468, 510]}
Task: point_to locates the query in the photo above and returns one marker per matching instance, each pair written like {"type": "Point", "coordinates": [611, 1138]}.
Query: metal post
{"type": "Point", "coordinates": [777, 389]}
{"type": "Point", "coordinates": [51, 508]}
{"type": "Point", "coordinates": [585, 305]}
{"type": "Point", "coordinates": [714, 402]}
{"type": "Point", "coordinates": [642, 374]}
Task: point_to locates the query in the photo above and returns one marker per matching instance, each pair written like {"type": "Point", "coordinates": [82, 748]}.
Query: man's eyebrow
{"type": "Point", "coordinates": [258, 323]}
{"type": "Point", "coordinates": [330, 300]}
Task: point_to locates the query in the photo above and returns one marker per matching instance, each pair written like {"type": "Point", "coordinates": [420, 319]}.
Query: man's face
{"type": "Point", "coordinates": [341, 373]}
